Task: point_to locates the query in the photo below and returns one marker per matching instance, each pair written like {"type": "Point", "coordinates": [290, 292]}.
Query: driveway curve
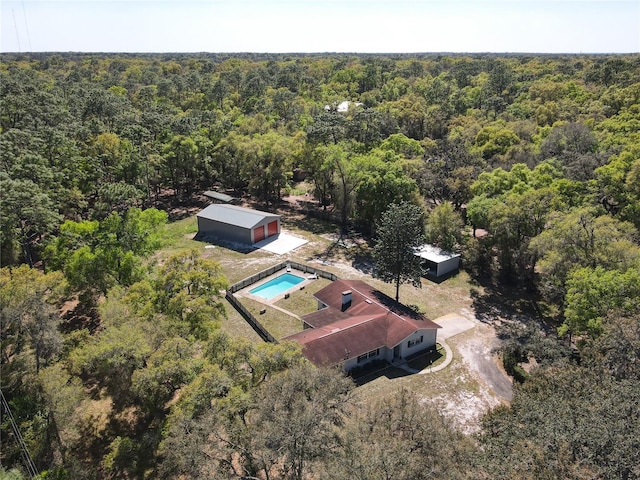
{"type": "Point", "coordinates": [476, 349]}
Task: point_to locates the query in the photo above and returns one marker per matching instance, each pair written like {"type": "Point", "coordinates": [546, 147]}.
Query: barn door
{"type": "Point", "coordinates": [258, 234]}
{"type": "Point", "coordinates": [273, 228]}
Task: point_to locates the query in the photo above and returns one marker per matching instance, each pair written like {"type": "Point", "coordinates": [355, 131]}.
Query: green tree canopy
{"type": "Point", "coordinates": [581, 238]}
{"type": "Point", "coordinates": [565, 422]}
{"type": "Point", "coordinates": [444, 227]}
{"type": "Point", "coordinates": [97, 255]}
{"type": "Point", "coordinates": [592, 293]}
{"type": "Point", "coordinates": [189, 290]}
{"type": "Point", "coordinates": [382, 182]}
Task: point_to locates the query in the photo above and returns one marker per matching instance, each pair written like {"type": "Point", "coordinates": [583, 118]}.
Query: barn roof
{"type": "Point", "coordinates": [234, 215]}
{"type": "Point", "coordinates": [372, 320]}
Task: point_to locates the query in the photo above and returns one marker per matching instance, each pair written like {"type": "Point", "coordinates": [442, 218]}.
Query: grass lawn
{"type": "Point", "coordinates": [448, 383]}
{"type": "Point", "coordinates": [236, 326]}
{"type": "Point", "coordinates": [178, 236]}
{"type": "Point", "coordinates": [351, 262]}
{"type": "Point", "coordinates": [301, 302]}
{"type": "Point", "coordinates": [454, 390]}
{"type": "Point", "coordinates": [277, 322]}
{"type": "Point", "coordinates": [429, 359]}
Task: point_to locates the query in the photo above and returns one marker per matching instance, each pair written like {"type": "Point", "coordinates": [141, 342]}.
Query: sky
{"type": "Point", "coordinates": [309, 26]}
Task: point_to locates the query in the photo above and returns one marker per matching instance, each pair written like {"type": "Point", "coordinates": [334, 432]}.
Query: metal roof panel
{"type": "Point", "coordinates": [234, 215]}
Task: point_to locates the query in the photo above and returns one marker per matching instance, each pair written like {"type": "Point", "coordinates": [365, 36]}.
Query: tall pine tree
{"type": "Point", "coordinates": [399, 232]}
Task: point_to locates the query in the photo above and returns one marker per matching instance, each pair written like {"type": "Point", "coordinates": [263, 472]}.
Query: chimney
{"type": "Point", "coordinates": [346, 299]}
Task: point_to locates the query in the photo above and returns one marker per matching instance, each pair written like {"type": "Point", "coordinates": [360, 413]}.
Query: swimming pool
{"type": "Point", "coordinates": [276, 286]}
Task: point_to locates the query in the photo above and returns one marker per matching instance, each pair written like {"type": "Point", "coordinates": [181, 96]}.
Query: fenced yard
{"type": "Point", "coordinates": [319, 254]}
{"type": "Point", "coordinates": [457, 390]}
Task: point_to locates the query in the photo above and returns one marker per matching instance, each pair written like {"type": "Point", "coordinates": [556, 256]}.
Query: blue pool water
{"type": "Point", "coordinates": [276, 286]}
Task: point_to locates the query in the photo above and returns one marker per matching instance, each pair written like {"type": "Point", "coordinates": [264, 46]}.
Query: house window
{"type": "Point", "coordinates": [371, 354]}
{"type": "Point", "coordinates": [415, 341]}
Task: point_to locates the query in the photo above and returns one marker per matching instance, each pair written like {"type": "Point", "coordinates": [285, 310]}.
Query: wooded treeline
{"type": "Point", "coordinates": [541, 154]}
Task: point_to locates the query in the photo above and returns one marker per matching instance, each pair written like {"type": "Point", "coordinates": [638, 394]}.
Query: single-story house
{"type": "Point", "coordinates": [356, 324]}
{"type": "Point", "coordinates": [438, 262]}
{"type": "Point", "coordinates": [237, 224]}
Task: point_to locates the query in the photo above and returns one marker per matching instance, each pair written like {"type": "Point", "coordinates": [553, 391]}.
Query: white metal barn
{"type": "Point", "coordinates": [237, 224]}
{"type": "Point", "coordinates": [438, 262]}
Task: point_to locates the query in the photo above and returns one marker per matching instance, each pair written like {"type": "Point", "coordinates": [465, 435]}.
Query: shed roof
{"type": "Point", "coordinates": [234, 215]}
{"type": "Point", "coordinates": [372, 320]}
{"type": "Point", "coordinates": [221, 197]}
{"type": "Point", "coordinates": [434, 254]}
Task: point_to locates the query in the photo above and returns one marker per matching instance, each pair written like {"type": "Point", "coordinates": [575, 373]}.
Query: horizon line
{"type": "Point", "coordinates": [256, 52]}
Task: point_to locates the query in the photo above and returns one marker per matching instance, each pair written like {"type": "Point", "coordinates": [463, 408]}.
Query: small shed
{"type": "Point", "coordinates": [237, 224]}
{"type": "Point", "coordinates": [219, 197]}
{"type": "Point", "coordinates": [438, 262]}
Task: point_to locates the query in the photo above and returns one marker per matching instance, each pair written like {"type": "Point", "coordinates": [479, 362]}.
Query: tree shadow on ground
{"type": "Point", "coordinates": [374, 373]}
{"type": "Point", "coordinates": [317, 222]}
{"type": "Point", "coordinates": [346, 248]}
{"type": "Point", "coordinates": [378, 369]}
{"type": "Point", "coordinates": [426, 359]}
{"type": "Point", "coordinates": [396, 307]}
{"type": "Point", "coordinates": [81, 313]}
{"type": "Point", "coordinates": [213, 240]}
{"type": "Point", "coordinates": [364, 263]}
{"type": "Point", "coordinates": [500, 302]}
{"type": "Point", "coordinates": [179, 208]}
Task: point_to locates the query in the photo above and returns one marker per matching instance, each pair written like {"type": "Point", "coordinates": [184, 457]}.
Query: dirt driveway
{"type": "Point", "coordinates": [465, 389]}
{"type": "Point", "coordinates": [473, 383]}
{"type": "Point", "coordinates": [477, 381]}
{"type": "Point", "coordinates": [477, 349]}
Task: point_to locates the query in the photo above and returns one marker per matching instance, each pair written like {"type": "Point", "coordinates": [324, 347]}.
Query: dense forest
{"type": "Point", "coordinates": [527, 165]}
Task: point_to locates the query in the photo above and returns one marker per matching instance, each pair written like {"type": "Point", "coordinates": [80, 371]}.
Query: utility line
{"type": "Point", "coordinates": [26, 24]}
{"type": "Point", "coordinates": [26, 456]}
{"type": "Point", "coordinates": [15, 26]}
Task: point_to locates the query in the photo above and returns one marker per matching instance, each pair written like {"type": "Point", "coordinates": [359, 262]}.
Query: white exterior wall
{"type": "Point", "coordinates": [349, 364]}
{"type": "Point", "coordinates": [388, 354]}
{"type": "Point", "coordinates": [385, 354]}
{"type": "Point", "coordinates": [428, 340]}
{"type": "Point", "coordinates": [448, 266]}
{"type": "Point", "coordinates": [438, 261]}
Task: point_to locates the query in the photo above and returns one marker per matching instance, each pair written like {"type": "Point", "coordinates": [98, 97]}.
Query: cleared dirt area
{"type": "Point", "coordinates": [469, 386]}
{"type": "Point", "coordinates": [477, 360]}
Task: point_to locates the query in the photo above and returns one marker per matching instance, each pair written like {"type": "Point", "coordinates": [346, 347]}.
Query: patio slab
{"type": "Point", "coordinates": [453, 324]}
{"type": "Point", "coordinates": [284, 243]}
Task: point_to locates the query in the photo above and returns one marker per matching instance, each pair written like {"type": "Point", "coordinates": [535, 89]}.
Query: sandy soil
{"type": "Point", "coordinates": [466, 407]}
{"type": "Point", "coordinates": [481, 383]}
{"type": "Point", "coordinates": [478, 365]}
{"type": "Point", "coordinates": [465, 390]}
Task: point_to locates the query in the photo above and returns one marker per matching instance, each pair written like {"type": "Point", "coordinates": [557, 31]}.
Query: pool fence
{"type": "Point", "coordinates": [246, 314]}
{"type": "Point", "coordinates": [276, 268]}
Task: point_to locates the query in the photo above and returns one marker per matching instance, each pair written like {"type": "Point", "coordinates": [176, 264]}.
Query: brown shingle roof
{"type": "Point", "coordinates": [373, 320]}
